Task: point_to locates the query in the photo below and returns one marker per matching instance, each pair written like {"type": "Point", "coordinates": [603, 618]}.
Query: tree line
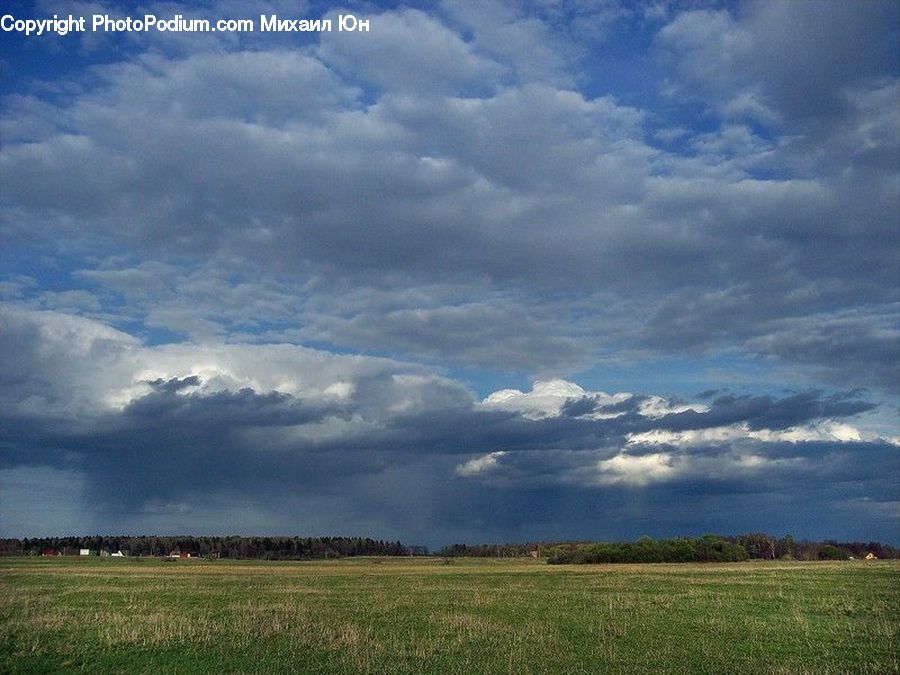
{"type": "Point", "coordinates": [264, 548]}
{"type": "Point", "coordinates": [708, 548]}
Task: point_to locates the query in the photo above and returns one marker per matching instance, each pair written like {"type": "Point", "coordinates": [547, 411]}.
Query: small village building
{"type": "Point", "coordinates": [871, 556]}
{"type": "Point", "coordinates": [84, 551]}
{"type": "Point", "coordinates": [118, 554]}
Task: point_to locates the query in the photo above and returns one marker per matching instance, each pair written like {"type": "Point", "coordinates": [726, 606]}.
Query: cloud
{"type": "Point", "coordinates": [328, 241]}
{"type": "Point", "coordinates": [524, 41]}
{"type": "Point", "coordinates": [480, 465]}
{"type": "Point", "coordinates": [838, 345]}
{"type": "Point", "coordinates": [409, 51]}
{"type": "Point", "coordinates": [636, 470]}
{"type": "Point", "coordinates": [547, 398]}
{"type": "Point", "coordinates": [57, 364]}
{"type": "Point", "coordinates": [474, 201]}
{"type": "Point", "coordinates": [42, 501]}
{"type": "Point", "coordinates": [781, 61]}
{"type": "Point", "coordinates": [437, 324]}
{"type": "Point", "coordinates": [765, 412]}
{"type": "Point", "coordinates": [828, 431]}
{"type": "Point", "coordinates": [194, 424]}
{"type": "Point", "coordinates": [211, 413]}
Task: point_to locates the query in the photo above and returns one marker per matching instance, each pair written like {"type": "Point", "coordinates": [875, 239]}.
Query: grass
{"type": "Point", "coordinates": [469, 616]}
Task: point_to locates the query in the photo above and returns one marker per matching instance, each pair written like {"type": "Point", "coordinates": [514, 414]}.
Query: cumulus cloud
{"type": "Point", "coordinates": [444, 193]}
{"type": "Point", "coordinates": [146, 426]}
{"type": "Point", "coordinates": [737, 60]}
{"type": "Point", "coordinates": [409, 51]}
{"type": "Point", "coordinates": [635, 469]}
{"type": "Point", "coordinates": [480, 465]}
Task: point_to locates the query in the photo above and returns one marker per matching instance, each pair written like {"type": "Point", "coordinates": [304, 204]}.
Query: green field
{"type": "Point", "coordinates": [461, 616]}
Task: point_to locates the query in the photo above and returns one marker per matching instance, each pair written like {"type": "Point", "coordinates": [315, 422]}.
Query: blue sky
{"type": "Point", "coordinates": [488, 271]}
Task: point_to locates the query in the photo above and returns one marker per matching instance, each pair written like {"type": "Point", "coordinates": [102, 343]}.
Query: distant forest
{"type": "Point", "coordinates": [262, 548]}
{"type": "Point", "coordinates": [709, 548]}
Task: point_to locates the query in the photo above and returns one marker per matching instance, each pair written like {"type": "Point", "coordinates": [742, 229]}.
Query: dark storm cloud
{"type": "Point", "coordinates": [578, 407]}
{"type": "Point", "coordinates": [592, 404]}
{"type": "Point", "coordinates": [542, 495]}
{"type": "Point", "coordinates": [387, 446]}
{"type": "Point", "coordinates": [214, 413]}
{"type": "Point", "coordinates": [185, 435]}
{"type": "Point", "coordinates": [230, 443]}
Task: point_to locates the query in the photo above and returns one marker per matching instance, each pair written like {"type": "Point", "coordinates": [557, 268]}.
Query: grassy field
{"type": "Point", "coordinates": [469, 616]}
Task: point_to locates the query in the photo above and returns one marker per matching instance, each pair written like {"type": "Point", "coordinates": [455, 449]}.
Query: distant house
{"type": "Point", "coordinates": [118, 554]}
{"type": "Point", "coordinates": [48, 552]}
{"type": "Point", "coordinates": [84, 551]}
{"type": "Point", "coordinates": [179, 554]}
{"type": "Point", "coordinates": [871, 556]}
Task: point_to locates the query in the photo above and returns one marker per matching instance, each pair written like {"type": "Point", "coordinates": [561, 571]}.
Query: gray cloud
{"type": "Point", "coordinates": [765, 412]}
{"type": "Point", "coordinates": [409, 52]}
{"type": "Point", "coordinates": [838, 346]}
{"type": "Point", "coordinates": [185, 438]}
{"type": "Point", "coordinates": [739, 59]}
{"type": "Point", "coordinates": [455, 190]}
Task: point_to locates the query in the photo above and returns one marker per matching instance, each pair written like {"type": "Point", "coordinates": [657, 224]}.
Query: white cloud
{"type": "Point", "coordinates": [825, 431]}
{"type": "Point", "coordinates": [656, 406]}
{"type": "Point", "coordinates": [64, 364]}
{"type": "Point", "coordinates": [480, 465]}
{"type": "Point", "coordinates": [408, 51]}
{"type": "Point", "coordinates": [636, 470]}
{"type": "Point", "coordinates": [526, 45]}
{"type": "Point", "coordinates": [70, 365]}
{"type": "Point", "coordinates": [546, 398]}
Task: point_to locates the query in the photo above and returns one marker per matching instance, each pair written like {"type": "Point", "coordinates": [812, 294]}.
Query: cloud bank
{"type": "Point", "coordinates": [270, 282]}
{"type": "Point", "coordinates": [191, 425]}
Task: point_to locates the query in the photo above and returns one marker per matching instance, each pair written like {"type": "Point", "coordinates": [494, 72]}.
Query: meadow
{"type": "Point", "coordinates": [428, 615]}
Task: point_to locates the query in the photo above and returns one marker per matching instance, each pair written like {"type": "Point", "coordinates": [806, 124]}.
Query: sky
{"type": "Point", "coordinates": [489, 271]}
